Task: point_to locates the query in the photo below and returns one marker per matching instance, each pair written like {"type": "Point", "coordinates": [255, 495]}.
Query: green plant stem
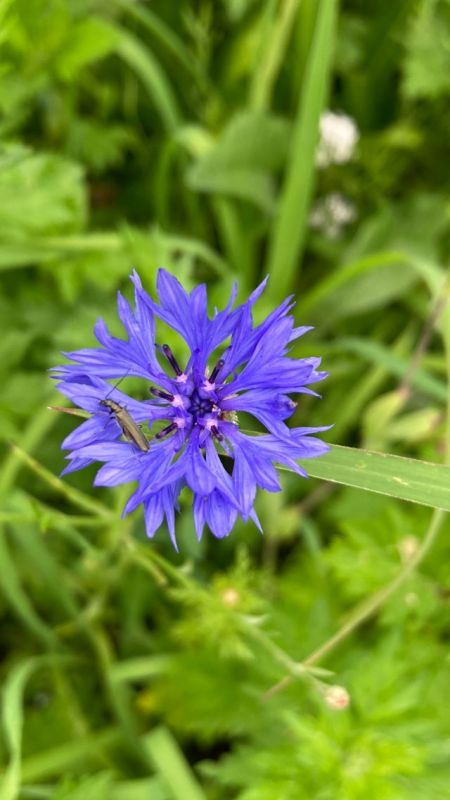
{"type": "Point", "coordinates": [369, 607]}
{"type": "Point", "coordinates": [377, 601]}
{"type": "Point", "coordinates": [73, 495]}
{"type": "Point", "coordinates": [33, 434]}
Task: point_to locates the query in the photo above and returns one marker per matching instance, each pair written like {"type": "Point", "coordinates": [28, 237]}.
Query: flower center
{"type": "Point", "coordinates": [199, 406]}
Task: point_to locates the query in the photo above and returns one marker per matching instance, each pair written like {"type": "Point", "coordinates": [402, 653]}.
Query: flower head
{"type": "Point", "coordinates": [331, 214]}
{"type": "Point", "coordinates": [338, 139]}
{"type": "Point", "coordinates": [193, 408]}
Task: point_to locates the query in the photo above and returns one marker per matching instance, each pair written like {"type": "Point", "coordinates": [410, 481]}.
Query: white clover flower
{"type": "Point", "coordinates": [338, 137]}
{"type": "Point", "coordinates": [331, 214]}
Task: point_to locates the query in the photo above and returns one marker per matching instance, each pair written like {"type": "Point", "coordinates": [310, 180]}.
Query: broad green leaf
{"type": "Point", "coordinates": [241, 162]}
{"type": "Point", "coordinates": [421, 482]}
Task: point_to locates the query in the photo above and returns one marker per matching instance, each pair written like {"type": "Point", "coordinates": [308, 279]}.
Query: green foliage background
{"type": "Point", "coordinates": [183, 134]}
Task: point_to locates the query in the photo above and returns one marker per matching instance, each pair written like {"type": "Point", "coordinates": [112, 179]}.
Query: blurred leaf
{"type": "Point", "coordinates": [378, 415]}
{"type": "Point", "coordinates": [426, 65]}
{"type": "Point", "coordinates": [90, 39]}
{"type": "Point", "coordinates": [100, 145]}
{"type": "Point", "coordinates": [98, 787]}
{"type": "Point", "coordinates": [241, 162]}
{"type": "Point", "coordinates": [40, 194]}
{"type": "Point", "coordinates": [414, 426]}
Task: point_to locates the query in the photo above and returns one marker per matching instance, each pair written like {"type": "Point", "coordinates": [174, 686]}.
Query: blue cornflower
{"type": "Point", "coordinates": [195, 406]}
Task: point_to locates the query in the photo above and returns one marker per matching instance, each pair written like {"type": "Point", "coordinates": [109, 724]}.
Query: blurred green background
{"type": "Point", "coordinates": [185, 134]}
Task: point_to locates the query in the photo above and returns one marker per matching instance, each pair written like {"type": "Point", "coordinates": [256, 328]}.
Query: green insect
{"type": "Point", "coordinates": [130, 429]}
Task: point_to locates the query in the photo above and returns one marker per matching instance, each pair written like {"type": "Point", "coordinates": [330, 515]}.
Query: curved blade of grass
{"type": "Point", "coordinates": [421, 482]}
{"type": "Point", "coordinates": [170, 763]}
{"type": "Point", "coordinates": [157, 27]}
{"type": "Point", "coordinates": [288, 233]}
{"type": "Point", "coordinates": [45, 565]}
{"type": "Point", "coordinates": [138, 669]}
{"type": "Point", "coordinates": [59, 760]}
{"type": "Point", "coordinates": [11, 588]}
{"type": "Point", "coordinates": [142, 61]}
{"type": "Point", "coordinates": [338, 278]}
{"type": "Point", "coordinates": [12, 720]}
{"type": "Point", "coordinates": [382, 356]}
{"type": "Point", "coordinates": [73, 495]}
{"type": "Point", "coordinates": [277, 30]}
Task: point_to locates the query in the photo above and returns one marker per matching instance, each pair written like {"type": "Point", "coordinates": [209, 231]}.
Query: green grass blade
{"type": "Point", "coordinates": [138, 669]}
{"type": "Point", "coordinates": [272, 51]}
{"type": "Point", "coordinates": [158, 28]}
{"type": "Point", "coordinates": [60, 760]}
{"type": "Point", "coordinates": [170, 763]}
{"type": "Point", "coordinates": [13, 720]}
{"type": "Point", "coordinates": [393, 364]}
{"type": "Point", "coordinates": [339, 278]}
{"type": "Point", "coordinates": [419, 482]}
{"type": "Point", "coordinates": [11, 588]}
{"type": "Point", "coordinates": [142, 61]}
{"type": "Point", "coordinates": [289, 228]}
{"type": "Point", "coordinates": [44, 565]}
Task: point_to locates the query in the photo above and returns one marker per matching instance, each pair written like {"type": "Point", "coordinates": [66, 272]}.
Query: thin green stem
{"type": "Point", "coordinates": [369, 607]}
{"type": "Point", "coordinates": [36, 431]}
{"type": "Point", "coordinates": [377, 601]}
{"type": "Point", "coordinates": [73, 495]}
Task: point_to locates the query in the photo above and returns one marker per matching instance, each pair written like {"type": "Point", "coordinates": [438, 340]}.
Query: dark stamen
{"type": "Point", "coordinates": [171, 359]}
{"type": "Point", "coordinates": [216, 370]}
{"type": "Point", "coordinates": [215, 432]}
{"type": "Point", "coordinates": [161, 394]}
{"type": "Point", "coordinates": [165, 431]}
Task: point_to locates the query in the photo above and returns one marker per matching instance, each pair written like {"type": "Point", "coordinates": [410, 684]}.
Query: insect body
{"type": "Point", "coordinates": [130, 430]}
